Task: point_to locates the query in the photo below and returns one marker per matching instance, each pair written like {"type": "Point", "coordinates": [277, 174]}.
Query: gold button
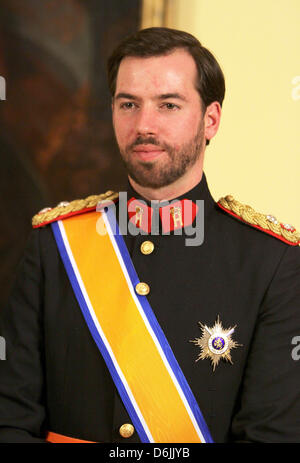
{"type": "Point", "coordinates": [126, 430]}
{"type": "Point", "coordinates": [142, 289]}
{"type": "Point", "coordinates": [147, 247]}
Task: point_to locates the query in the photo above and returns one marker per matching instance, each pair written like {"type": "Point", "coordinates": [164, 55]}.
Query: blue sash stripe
{"type": "Point", "coordinates": [157, 329]}
{"type": "Point", "coordinates": [96, 336]}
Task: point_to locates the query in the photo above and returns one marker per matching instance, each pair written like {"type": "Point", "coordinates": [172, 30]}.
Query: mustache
{"type": "Point", "coordinates": [144, 141]}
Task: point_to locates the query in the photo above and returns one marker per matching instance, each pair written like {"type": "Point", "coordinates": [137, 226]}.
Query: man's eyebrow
{"type": "Point", "coordinates": [128, 96]}
{"type": "Point", "coordinates": [176, 96]}
{"type": "Point", "coordinates": [163, 96]}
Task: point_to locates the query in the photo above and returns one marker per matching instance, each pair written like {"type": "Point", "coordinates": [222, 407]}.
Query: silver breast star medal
{"type": "Point", "coordinates": [216, 343]}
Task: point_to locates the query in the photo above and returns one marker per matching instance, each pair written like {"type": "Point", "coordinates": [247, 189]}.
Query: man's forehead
{"type": "Point", "coordinates": [167, 72]}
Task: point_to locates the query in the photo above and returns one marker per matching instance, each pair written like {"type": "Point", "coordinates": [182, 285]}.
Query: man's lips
{"type": "Point", "coordinates": [146, 152]}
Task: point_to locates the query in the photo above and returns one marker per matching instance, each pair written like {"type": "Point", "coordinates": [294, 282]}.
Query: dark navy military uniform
{"type": "Point", "coordinates": [54, 378]}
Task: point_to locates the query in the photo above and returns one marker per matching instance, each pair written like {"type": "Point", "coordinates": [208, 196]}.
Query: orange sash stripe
{"type": "Point", "coordinates": [55, 438]}
{"type": "Point", "coordinates": [137, 355]}
{"type": "Point", "coordinates": [149, 379]}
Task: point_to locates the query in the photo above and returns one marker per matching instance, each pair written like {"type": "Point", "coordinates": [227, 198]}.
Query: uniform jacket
{"type": "Point", "coordinates": [55, 379]}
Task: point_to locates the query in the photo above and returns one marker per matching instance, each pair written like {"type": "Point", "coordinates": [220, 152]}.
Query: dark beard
{"type": "Point", "coordinates": [148, 174]}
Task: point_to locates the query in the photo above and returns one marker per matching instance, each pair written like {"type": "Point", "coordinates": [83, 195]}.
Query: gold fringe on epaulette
{"type": "Point", "coordinates": [73, 206]}
{"type": "Point", "coordinates": [248, 214]}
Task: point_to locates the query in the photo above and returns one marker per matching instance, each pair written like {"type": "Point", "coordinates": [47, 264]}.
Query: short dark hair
{"type": "Point", "coordinates": [157, 41]}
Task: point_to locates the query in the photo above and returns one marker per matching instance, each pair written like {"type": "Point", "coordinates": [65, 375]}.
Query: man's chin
{"type": "Point", "coordinates": [153, 181]}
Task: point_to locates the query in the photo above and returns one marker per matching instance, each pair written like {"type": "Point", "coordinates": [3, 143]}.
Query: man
{"type": "Point", "coordinates": [142, 337]}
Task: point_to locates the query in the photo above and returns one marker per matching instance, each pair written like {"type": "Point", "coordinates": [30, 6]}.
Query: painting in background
{"type": "Point", "coordinates": [56, 137]}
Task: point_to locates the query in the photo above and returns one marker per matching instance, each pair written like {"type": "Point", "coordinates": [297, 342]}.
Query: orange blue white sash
{"type": "Point", "coordinates": [146, 373]}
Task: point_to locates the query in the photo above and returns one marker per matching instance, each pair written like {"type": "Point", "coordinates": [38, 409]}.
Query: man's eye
{"type": "Point", "coordinates": [127, 105]}
{"type": "Point", "coordinates": [170, 106]}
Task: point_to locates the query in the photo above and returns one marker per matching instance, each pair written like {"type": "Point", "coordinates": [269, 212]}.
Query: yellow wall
{"type": "Point", "coordinates": [256, 154]}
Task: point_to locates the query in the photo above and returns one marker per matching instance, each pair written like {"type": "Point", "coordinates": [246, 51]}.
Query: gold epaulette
{"type": "Point", "coordinates": [266, 223]}
{"type": "Point", "coordinates": [66, 209]}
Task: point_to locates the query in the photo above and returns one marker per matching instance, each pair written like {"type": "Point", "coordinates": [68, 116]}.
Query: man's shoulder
{"type": "Point", "coordinates": [67, 209]}
{"type": "Point", "coordinates": [265, 223]}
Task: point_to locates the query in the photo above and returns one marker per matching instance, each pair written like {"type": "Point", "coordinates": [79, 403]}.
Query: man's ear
{"type": "Point", "coordinates": [212, 119]}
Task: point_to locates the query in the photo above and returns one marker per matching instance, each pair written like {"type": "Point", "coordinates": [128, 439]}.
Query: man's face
{"type": "Point", "coordinates": [157, 118]}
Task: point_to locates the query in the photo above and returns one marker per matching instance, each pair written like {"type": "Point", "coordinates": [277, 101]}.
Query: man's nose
{"type": "Point", "coordinates": [146, 123]}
